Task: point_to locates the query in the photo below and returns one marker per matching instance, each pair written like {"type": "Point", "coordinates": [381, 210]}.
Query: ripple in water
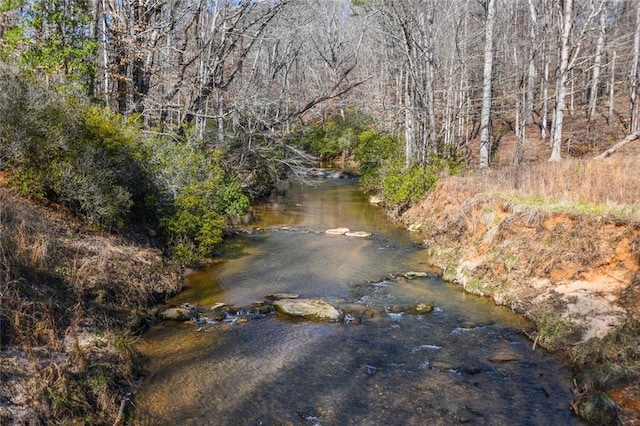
{"type": "Point", "coordinates": [466, 362]}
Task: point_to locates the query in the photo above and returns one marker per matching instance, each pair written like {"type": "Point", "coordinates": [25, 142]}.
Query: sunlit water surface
{"type": "Point", "coordinates": [467, 362]}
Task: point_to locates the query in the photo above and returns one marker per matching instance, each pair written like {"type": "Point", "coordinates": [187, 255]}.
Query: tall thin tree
{"type": "Point", "coordinates": [485, 115]}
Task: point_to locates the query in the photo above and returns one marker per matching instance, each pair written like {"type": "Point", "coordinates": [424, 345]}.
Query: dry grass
{"type": "Point", "coordinates": [61, 286]}
{"type": "Point", "coordinates": [601, 187]}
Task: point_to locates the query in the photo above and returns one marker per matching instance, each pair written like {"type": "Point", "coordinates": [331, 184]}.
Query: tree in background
{"type": "Point", "coordinates": [245, 74]}
{"type": "Point", "coordinates": [487, 76]}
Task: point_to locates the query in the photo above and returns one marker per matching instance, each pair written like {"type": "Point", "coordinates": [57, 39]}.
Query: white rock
{"type": "Point", "coordinates": [375, 199]}
{"type": "Point", "coordinates": [414, 227]}
{"type": "Point", "coordinates": [337, 231]}
{"type": "Point", "coordinates": [359, 234]}
{"type": "Point", "coordinates": [176, 314]}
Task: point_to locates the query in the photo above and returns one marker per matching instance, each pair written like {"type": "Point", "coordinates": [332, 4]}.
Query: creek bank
{"type": "Point", "coordinates": [576, 276]}
{"type": "Point", "coordinates": [73, 302]}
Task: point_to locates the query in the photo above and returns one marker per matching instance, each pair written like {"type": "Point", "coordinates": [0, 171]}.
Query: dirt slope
{"type": "Point", "coordinates": [576, 276]}
{"type": "Point", "coordinates": [72, 302]}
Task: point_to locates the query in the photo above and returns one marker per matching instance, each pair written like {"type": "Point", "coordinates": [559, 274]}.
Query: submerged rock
{"type": "Point", "coordinates": [503, 355]}
{"type": "Point", "coordinates": [307, 308]}
{"type": "Point", "coordinates": [259, 309]}
{"type": "Point", "coordinates": [279, 296]}
{"type": "Point", "coordinates": [419, 309]}
{"type": "Point", "coordinates": [359, 310]}
{"type": "Point", "coordinates": [415, 309]}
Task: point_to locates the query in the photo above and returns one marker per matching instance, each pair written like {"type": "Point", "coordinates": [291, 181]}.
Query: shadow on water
{"type": "Point", "coordinates": [466, 362]}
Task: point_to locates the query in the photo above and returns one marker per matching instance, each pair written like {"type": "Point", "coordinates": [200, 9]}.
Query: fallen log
{"type": "Point", "coordinates": [623, 142]}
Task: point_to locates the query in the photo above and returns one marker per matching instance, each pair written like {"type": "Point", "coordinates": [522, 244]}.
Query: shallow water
{"type": "Point", "coordinates": [467, 362]}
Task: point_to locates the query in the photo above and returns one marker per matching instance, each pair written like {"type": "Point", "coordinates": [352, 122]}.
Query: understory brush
{"type": "Point", "coordinates": [55, 145]}
{"type": "Point", "coordinates": [82, 192]}
{"type": "Point", "coordinates": [598, 187]}
{"type": "Point", "coordinates": [384, 170]}
{"type": "Point", "coordinates": [335, 136]}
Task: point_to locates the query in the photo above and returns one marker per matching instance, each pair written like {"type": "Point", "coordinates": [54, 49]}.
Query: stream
{"type": "Point", "coordinates": [466, 362]}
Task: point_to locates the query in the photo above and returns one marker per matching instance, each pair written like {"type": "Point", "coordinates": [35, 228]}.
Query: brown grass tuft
{"type": "Point", "coordinates": [602, 187]}
{"type": "Point", "coordinates": [62, 286]}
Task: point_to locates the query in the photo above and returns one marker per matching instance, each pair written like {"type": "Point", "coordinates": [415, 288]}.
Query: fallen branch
{"type": "Point", "coordinates": [623, 142]}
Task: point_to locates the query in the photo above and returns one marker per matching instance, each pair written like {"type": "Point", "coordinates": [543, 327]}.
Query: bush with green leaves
{"type": "Point", "coordinates": [404, 185]}
{"type": "Point", "coordinates": [336, 135]}
{"type": "Point", "coordinates": [197, 198]}
{"type": "Point", "coordinates": [371, 152]}
{"type": "Point", "coordinates": [109, 172]}
{"type": "Point", "coordinates": [56, 145]}
{"type": "Point", "coordinates": [383, 169]}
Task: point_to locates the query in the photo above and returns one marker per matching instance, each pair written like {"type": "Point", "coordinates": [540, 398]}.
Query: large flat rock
{"type": "Point", "coordinates": [307, 308]}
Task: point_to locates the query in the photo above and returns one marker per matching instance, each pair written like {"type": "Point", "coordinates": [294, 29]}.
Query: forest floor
{"type": "Point", "coordinates": [559, 243]}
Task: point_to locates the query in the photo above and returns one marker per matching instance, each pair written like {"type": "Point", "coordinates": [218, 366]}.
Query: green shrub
{"type": "Point", "coordinates": [371, 152]}
{"type": "Point", "coordinates": [56, 145]}
{"type": "Point", "coordinates": [404, 185]}
{"type": "Point", "coordinates": [335, 136]}
{"type": "Point", "coordinates": [204, 198]}
{"type": "Point", "coordinates": [383, 169]}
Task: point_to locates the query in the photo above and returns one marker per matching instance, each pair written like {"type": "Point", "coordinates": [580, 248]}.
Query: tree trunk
{"type": "Point", "coordinates": [544, 120]}
{"type": "Point", "coordinates": [612, 84]}
{"type": "Point", "coordinates": [561, 81]}
{"type": "Point", "coordinates": [632, 137]}
{"type": "Point", "coordinates": [429, 86]}
{"type": "Point", "coordinates": [634, 107]}
{"type": "Point", "coordinates": [531, 72]}
{"type": "Point", "coordinates": [409, 132]}
{"type": "Point", "coordinates": [485, 115]}
{"type": "Point", "coordinates": [597, 63]}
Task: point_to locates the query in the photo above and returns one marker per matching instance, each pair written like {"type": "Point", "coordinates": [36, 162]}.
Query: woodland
{"type": "Point", "coordinates": [159, 121]}
{"type": "Point", "coordinates": [263, 89]}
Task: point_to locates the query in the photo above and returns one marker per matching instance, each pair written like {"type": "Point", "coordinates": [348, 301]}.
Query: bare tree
{"type": "Point", "coordinates": [634, 107]}
{"type": "Point", "coordinates": [485, 118]}
{"type": "Point", "coordinates": [597, 62]}
{"type": "Point", "coordinates": [561, 78]}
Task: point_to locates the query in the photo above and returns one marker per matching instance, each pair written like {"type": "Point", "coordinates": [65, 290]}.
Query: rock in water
{"type": "Point", "coordinates": [502, 355]}
{"type": "Point", "coordinates": [414, 274]}
{"type": "Point", "coordinates": [375, 199]}
{"type": "Point", "coordinates": [307, 308]}
{"type": "Point", "coordinates": [337, 231]}
{"type": "Point", "coordinates": [359, 234]}
{"type": "Point", "coordinates": [177, 314]}
{"type": "Point", "coordinates": [419, 309]}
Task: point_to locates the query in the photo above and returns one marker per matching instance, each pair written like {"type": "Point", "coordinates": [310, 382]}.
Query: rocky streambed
{"type": "Point", "coordinates": [292, 305]}
{"type": "Point", "coordinates": [393, 347]}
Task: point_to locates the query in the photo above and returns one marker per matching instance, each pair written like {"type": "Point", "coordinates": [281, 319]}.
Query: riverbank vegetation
{"type": "Point", "coordinates": [133, 135]}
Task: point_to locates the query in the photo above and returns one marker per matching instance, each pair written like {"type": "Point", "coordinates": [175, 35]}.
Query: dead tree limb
{"type": "Point", "coordinates": [623, 142]}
